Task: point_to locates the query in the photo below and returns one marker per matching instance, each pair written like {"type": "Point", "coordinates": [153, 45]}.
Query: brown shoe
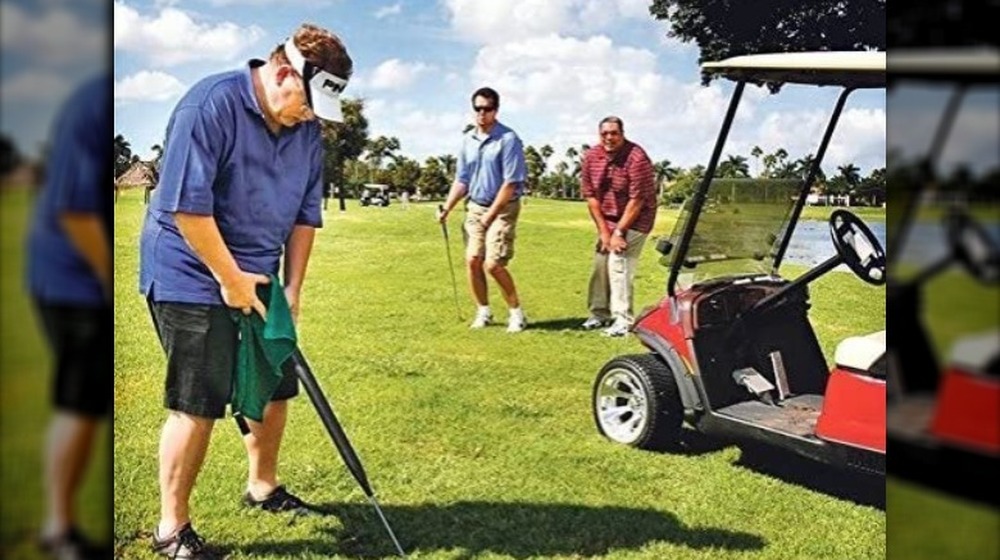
{"type": "Point", "coordinates": [184, 544]}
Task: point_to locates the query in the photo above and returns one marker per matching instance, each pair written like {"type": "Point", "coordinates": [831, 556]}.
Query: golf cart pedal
{"type": "Point", "coordinates": [780, 376]}
{"type": "Point", "coordinates": [755, 383]}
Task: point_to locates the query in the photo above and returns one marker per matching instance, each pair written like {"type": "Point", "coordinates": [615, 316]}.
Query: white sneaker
{"type": "Point", "coordinates": [619, 328]}
{"type": "Point", "coordinates": [483, 318]}
{"type": "Point", "coordinates": [517, 322]}
{"type": "Point", "coordinates": [594, 322]}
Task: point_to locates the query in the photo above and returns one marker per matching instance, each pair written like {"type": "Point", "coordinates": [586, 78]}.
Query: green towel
{"type": "Point", "coordinates": [264, 346]}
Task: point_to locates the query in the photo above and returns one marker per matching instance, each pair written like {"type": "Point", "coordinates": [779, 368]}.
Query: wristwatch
{"type": "Point", "coordinates": [619, 233]}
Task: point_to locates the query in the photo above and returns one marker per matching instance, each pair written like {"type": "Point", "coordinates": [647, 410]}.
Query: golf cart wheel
{"type": "Point", "coordinates": [636, 402]}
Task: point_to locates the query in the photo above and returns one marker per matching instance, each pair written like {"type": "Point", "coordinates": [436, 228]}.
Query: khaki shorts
{"type": "Point", "coordinates": [496, 243]}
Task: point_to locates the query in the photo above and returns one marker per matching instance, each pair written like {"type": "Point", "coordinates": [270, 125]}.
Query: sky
{"type": "Point", "coordinates": [559, 65]}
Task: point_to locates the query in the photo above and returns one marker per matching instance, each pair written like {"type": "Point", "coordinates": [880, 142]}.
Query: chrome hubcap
{"type": "Point", "coordinates": [621, 406]}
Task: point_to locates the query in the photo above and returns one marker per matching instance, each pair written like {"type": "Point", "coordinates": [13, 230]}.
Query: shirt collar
{"type": "Point", "coordinates": [246, 91]}
{"type": "Point", "coordinates": [495, 132]}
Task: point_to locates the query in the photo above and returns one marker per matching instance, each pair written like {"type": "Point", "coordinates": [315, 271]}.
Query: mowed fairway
{"type": "Point", "coordinates": [480, 444]}
{"type": "Point", "coordinates": [25, 374]}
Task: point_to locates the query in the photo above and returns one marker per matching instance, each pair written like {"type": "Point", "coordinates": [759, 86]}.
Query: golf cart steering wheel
{"type": "Point", "coordinates": [858, 247]}
{"type": "Point", "coordinates": [974, 247]}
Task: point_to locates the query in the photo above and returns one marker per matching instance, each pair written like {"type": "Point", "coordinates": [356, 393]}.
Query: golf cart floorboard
{"type": "Point", "coordinates": [795, 415]}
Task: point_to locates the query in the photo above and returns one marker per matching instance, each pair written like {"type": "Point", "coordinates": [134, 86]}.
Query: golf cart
{"type": "Point", "coordinates": [731, 348]}
{"type": "Point", "coordinates": [943, 423]}
{"type": "Point", "coordinates": [375, 195]}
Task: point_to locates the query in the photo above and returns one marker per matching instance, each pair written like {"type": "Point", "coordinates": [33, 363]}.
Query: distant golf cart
{"type": "Point", "coordinates": [373, 194]}
{"type": "Point", "coordinates": [731, 348]}
{"type": "Point", "coordinates": [943, 417]}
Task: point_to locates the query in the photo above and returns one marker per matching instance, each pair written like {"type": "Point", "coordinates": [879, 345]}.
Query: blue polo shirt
{"type": "Point", "coordinates": [221, 160]}
{"type": "Point", "coordinates": [78, 178]}
{"type": "Point", "coordinates": [488, 161]}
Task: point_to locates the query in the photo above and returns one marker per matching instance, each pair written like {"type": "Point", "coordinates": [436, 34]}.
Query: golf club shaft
{"type": "Point", "coordinates": [386, 524]}
{"type": "Point", "coordinates": [451, 265]}
{"type": "Point", "coordinates": [330, 422]}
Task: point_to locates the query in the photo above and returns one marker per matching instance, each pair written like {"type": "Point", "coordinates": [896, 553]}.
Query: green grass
{"type": "Point", "coordinates": [866, 213]}
{"type": "Point", "coordinates": [25, 366]}
{"type": "Point", "coordinates": [479, 444]}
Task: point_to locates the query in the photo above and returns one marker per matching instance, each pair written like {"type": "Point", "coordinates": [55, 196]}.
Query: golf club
{"type": "Point", "coordinates": [333, 427]}
{"type": "Point", "coordinates": [451, 266]}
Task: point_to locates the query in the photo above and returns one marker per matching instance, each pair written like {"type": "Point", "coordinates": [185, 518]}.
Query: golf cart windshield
{"type": "Point", "coordinates": [737, 227]}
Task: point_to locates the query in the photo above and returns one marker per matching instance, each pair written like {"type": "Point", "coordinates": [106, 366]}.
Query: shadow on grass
{"type": "Point", "coordinates": [860, 488]}
{"type": "Point", "coordinates": [514, 530]}
{"type": "Point", "coordinates": [568, 324]}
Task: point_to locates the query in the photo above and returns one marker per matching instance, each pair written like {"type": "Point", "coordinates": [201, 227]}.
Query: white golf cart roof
{"type": "Point", "coordinates": [967, 64]}
{"type": "Point", "coordinates": [376, 186]}
{"type": "Point", "coordinates": [861, 69]}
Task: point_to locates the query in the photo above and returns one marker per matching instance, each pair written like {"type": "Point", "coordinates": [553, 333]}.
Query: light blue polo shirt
{"type": "Point", "coordinates": [78, 178]}
{"type": "Point", "coordinates": [221, 160]}
{"type": "Point", "coordinates": [488, 161]}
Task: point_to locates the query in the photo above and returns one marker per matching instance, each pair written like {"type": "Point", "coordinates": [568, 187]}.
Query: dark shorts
{"type": "Point", "coordinates": [82, 343]}
{"type": "Point", "coordinates": [200, 342]}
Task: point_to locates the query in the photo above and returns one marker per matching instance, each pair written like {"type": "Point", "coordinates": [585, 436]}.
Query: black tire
{"type": "Point", "coordinates": [640, 384]}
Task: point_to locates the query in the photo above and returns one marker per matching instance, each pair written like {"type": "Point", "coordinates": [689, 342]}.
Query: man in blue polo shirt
{"type": "Point", "coordinates": [491, 173]}
{"type": "Point", "coordinates": [69, 277]}
{"type": "Point", "coordinates": [240, 187]}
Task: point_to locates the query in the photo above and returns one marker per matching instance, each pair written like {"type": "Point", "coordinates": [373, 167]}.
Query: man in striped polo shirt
{"type": "Point", "coordinates": [617, 180]}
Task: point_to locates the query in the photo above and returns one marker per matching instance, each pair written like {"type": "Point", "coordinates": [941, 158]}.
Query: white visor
{"type": "Point", "coordinates": [323, 87]}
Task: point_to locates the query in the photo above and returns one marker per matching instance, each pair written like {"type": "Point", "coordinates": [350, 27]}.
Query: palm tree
{"type": "Point", "coordinates": [734, 167]}
{"type": "Point", "coordinates": [123, 155]}
{"type": "Point", "coordinates": [546, 152]}
{"type": "Point", "coordinates": [665, 173]}
{"type": "Point", "coordinates": [448, 163]}
{"type": "Point", "coordinates": [378, 150]}
{"type": "Point", "coordinates": [756, 152]}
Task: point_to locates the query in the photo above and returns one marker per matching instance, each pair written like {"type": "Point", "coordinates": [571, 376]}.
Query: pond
{"type": "Point", "coordinates": [811, 244]}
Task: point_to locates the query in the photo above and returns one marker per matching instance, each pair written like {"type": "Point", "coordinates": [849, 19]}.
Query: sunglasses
{"type": "Point", "coordinates": [483, 109]}
{"type": "Point", "coordinates": [610, 133]}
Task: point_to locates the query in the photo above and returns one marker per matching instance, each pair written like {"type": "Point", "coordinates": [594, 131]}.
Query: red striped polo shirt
{"type": "Point", "coordinates": [614, 178]}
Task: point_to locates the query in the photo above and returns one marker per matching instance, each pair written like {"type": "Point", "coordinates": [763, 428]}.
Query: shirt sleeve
{"type": "Point", "coordinates": [512, 154]}
{"type": "Point", "coordinates": [587, 189]}
{"type": "Point", "coordinates": [78, 170]}
{"type": "Point", "coordinates": [190, 162]}
{"type": "Point", "coordinates": [462, 172]}
{"type": "Point", "coordinates": [641, 179]}
{"type": "Point", "coordinates": [311, 212]}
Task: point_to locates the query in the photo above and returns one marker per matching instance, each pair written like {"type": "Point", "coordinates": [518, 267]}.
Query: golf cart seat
{"type": "Point", "coordinates": [864, 354]}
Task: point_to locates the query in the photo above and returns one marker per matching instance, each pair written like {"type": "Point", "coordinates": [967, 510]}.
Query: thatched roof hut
{"type": "Point", "coordinates": [139, 174]}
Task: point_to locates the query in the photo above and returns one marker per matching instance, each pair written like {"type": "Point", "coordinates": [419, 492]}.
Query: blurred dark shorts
{"type": "Point", "coordinates": [200, 342]}
{"type": "Point", "coordinates": [82, 343]}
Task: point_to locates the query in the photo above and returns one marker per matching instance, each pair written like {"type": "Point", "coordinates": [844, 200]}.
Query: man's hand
{"type": "Point", "coordinates": [604, 243]}
{"type": "Point", "coordinates": [487, 220]}
{"type": "Point", "coordinates": [442, 214]}
{"type": "Point", "coordinates": [618, 244]}
{"type": "Point", "coordinates": [241, 293]}
{"type": "Point", "coordinates": [292, 295]}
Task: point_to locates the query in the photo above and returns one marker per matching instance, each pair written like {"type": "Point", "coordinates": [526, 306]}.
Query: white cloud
{"type": "Point", "coordinates": [148, 85]}
{"type": "Point", "coordinates": [35, 87]}
{"type": "Point", "coordinates": [396, 74]}
{"type": "Point", "coordinates": [555, 89]}
{"type": "Point", "coordinates": [386, 11]}
{"type": "Point", "coordinates": [494, 22]}
{"type": "Point", "coordinates": [411, 124]}
{"type": "Point", "coordinates": [56, 36]}
{"type": "Point", "coordinates": [310, 3]}
{"type": "Point", "coordinates": [174, 37]}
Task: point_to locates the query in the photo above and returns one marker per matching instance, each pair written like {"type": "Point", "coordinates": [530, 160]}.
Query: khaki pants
{"type": "Point", "coordinates": [612, 278]}
{"type": "Point", "coordinates": [496, 244]}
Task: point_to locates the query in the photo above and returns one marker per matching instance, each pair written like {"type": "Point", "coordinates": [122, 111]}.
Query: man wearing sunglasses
{"type": "Point", "coordinates": [240, 187]}
{"type": "Point", "coordinates": [617, 181]}
{"type": "Point", "coordinates": [491, 172]}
